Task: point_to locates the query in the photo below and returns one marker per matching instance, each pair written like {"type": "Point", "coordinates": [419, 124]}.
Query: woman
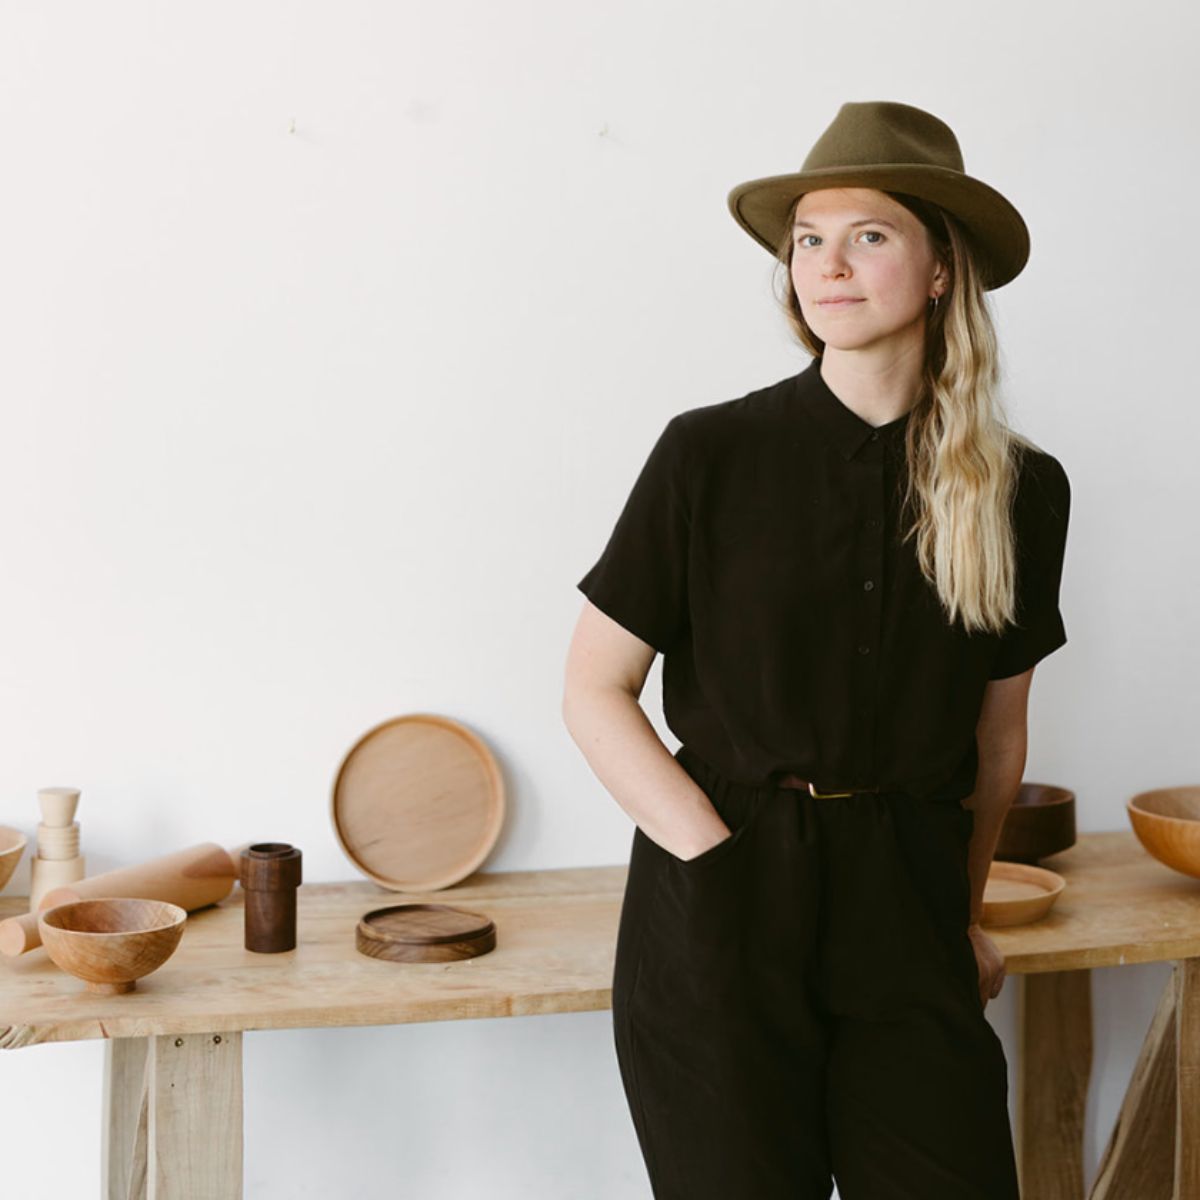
{"type": "Point", "coordinates": [850, 574]}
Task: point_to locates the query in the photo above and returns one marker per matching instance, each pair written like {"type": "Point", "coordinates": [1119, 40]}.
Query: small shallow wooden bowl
{"type": "Point", "coordinates": [1019, 893]}
{"type": "Point", "coordinates": [12, 846]}
{"type": "Point", "coordinates": [111, 943]}
{"type": "Point", "coordinates": [1167, 823]}
{"type": "Point", "coordinates": [1040, 822]}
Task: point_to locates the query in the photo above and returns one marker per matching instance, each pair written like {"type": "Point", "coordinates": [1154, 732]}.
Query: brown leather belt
{"type": "Point", "coordinates": [792, 780]}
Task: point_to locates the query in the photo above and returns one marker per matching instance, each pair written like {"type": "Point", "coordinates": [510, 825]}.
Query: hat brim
{"type": "Point", "coordinates": [761, 206]}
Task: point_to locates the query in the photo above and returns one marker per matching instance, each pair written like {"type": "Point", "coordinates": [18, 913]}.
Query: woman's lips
{"type": "Point", "coordinates": [838, 303]}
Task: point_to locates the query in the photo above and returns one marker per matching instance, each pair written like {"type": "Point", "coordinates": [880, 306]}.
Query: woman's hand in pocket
{"type": "Point", "coordinates": [694, 853]}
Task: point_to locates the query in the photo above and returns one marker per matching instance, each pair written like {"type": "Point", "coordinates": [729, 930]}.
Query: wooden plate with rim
{"type": "Point", "coordinates": [418, 803]}
{"type": "Point", "coordinates": [1018, 894]}
{"type": "Point", "coordinates": [424, 933]}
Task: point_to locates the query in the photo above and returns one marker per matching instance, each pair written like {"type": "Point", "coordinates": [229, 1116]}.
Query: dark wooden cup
{"type": "Point", "coordinates": [270, 875]}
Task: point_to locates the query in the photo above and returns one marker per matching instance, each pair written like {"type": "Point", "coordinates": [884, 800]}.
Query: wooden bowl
{"type": "Point", "coordinates": [1167, 823]}
{"type": "Point", "coordinates": [1017, 893]}
{"type": "Point", "coordinates": [12, 846]}
{"type": "Point", "coordinates": [1040, 822]}
{"type": "Point", "coordinates": [111, 943]}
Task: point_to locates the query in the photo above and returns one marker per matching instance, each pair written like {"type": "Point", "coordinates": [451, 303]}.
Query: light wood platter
{"type": "Point", "coordinates": [1017, 893]}
{"type": "Point", "coordinates": [418, 803]}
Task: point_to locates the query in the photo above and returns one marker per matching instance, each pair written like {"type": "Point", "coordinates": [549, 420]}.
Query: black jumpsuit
{"type": "Point", "coordinates": [800, 1002]}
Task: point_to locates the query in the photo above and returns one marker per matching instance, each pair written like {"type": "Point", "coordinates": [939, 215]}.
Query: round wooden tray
{"type": "Point", "coordinates": [424, 933]}
{"type": "Point", "coordinates": [418, 803]}
{"type": "Point", "coordinates": [1016, 893]}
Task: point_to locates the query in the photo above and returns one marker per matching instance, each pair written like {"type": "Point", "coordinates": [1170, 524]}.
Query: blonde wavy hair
{"type": "Point", "coordinates": [963, 459]}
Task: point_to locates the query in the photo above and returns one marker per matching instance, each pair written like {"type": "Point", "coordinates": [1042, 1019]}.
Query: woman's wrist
{"type": "Point", "coordinates": [705, 847]}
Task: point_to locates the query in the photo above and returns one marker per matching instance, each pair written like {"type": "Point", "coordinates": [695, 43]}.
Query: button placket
{"type": "Point", "coordinates": [868, 625]}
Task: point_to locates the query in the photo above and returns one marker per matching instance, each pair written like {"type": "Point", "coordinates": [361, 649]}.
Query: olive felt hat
{"type": "Point", "coordinates": [897, 148]}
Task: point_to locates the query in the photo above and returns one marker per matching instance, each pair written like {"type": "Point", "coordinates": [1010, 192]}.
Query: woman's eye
{"type": "Point", "coordinates": [866, 233]}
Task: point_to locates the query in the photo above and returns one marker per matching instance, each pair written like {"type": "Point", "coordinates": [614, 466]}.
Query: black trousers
{"type": "Point", "coordinates": [800, 1003]}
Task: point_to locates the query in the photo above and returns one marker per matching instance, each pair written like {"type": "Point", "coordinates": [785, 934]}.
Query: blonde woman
{"type": "Point", "coordinates": [851, 574]}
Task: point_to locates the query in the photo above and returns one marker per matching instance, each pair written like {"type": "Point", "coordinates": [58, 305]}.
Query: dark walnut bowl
{"type": "Point", "coordinates": [1040, 822]}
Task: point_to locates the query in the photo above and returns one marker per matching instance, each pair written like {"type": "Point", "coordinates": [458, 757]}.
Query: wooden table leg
{"type": "Point", "coordinates": [1151, 1151]}
{"type": "Point", "coordinates": [1054, 1062]}
{"type": "Point", "coordinates": [194, 1111]}
{"type": "Point", "coordinates": [173, 1118]}
{"type": "Point", "coordinates": [1187, 1074]}
{"type": "Point", "coordinates": [123, 1134]}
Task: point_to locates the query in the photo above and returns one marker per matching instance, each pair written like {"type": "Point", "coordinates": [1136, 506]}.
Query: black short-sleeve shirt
{"type": "Point", "coordinates": [760, 552]}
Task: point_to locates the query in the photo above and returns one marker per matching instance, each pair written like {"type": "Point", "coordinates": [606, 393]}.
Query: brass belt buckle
{"type": "Point", "coordinates": [812, 791]}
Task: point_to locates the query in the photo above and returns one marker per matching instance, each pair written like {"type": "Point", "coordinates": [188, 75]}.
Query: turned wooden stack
{"type": "Point", "coordinates": [57, 861]}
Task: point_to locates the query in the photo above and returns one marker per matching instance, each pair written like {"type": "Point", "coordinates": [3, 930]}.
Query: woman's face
{"type": "Point", "coordinates": [860, 243]}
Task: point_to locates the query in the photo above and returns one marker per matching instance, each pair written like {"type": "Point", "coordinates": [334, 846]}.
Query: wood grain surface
{"type": "Point", "coordinates": [556, 936]}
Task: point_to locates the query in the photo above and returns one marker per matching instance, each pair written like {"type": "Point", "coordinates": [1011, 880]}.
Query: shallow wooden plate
{"type": "Point", "coordinates": [1017, 893]}
{"type": "Point", "coordinates": [424, 933]}
{"type": "Point", "coordinates": [418, 803]}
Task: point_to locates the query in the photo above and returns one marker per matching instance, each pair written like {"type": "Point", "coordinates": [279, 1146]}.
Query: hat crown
{"type": "Point", "coordinates": [884, 132]}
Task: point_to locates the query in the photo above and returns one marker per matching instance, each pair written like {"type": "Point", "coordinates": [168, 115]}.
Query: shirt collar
{"type": "Point", "coordinates": [846, 430]}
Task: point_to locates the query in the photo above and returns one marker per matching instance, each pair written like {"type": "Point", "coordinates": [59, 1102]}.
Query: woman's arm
{"type": "Point", "coordinates": [605, 672]}
{"type": "Point", "coordinates": [1002, 738]}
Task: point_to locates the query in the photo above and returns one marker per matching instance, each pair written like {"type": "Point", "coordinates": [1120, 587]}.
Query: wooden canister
{"type": "Point", "coordinates": [270, 875]}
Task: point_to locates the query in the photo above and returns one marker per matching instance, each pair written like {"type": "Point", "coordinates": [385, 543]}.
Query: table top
{"type": "Point", "coordinates": [555, 940]}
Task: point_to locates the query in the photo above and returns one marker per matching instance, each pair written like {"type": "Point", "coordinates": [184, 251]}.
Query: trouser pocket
{"type": "Point", "coordinates": [690, 931]}
{"type": "Point", "coordinates": [641, 883]}
{"type": "Point", "coordinates": [937, 850]}
{"type": "Point", "coordinates": [689, 1024]}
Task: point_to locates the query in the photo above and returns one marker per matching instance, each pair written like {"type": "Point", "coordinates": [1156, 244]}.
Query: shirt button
{"type": "Point", "coordinates": [864, 649]}
{"type": "Point", "coordinates": [868, 585]}
{"type": "Point", "coordinates": [874, 437]}
{"type": "Point", "coordinates": [871, 523]}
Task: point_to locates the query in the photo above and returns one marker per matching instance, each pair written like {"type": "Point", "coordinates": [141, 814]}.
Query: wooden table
{"type": "Point", "coordinates": [556, 931]}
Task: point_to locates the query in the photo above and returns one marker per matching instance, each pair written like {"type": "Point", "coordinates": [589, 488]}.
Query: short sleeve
{"type": "Point", "coordinates": [640, 578]}
{"type": "Point", "coordinates": [1040, 517]}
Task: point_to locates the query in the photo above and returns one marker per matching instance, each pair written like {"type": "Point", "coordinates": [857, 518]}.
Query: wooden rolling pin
{"type": "Point", "coordinates": [193, 878]}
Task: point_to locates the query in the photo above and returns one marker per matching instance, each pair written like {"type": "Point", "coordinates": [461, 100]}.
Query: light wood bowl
{"type": "Point", "coordinates": [1019, 893]}
{"type": "Point", "coordinates": [111, 943]}
{"type": "Point", "coordinates": [12, 846]}
{"type": "Point", "coordinates": [1167, 823]}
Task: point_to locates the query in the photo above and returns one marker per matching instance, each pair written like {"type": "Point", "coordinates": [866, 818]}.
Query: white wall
{"type": "Point", "coordinates": [332, 338]}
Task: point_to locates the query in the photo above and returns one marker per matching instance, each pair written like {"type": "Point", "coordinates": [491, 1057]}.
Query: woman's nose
{"type": "Point", "coordinates": [834, 263]}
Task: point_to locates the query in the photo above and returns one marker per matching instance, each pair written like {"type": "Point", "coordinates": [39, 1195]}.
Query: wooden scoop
{"type": "Point", "coordinates": [193, 878]}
